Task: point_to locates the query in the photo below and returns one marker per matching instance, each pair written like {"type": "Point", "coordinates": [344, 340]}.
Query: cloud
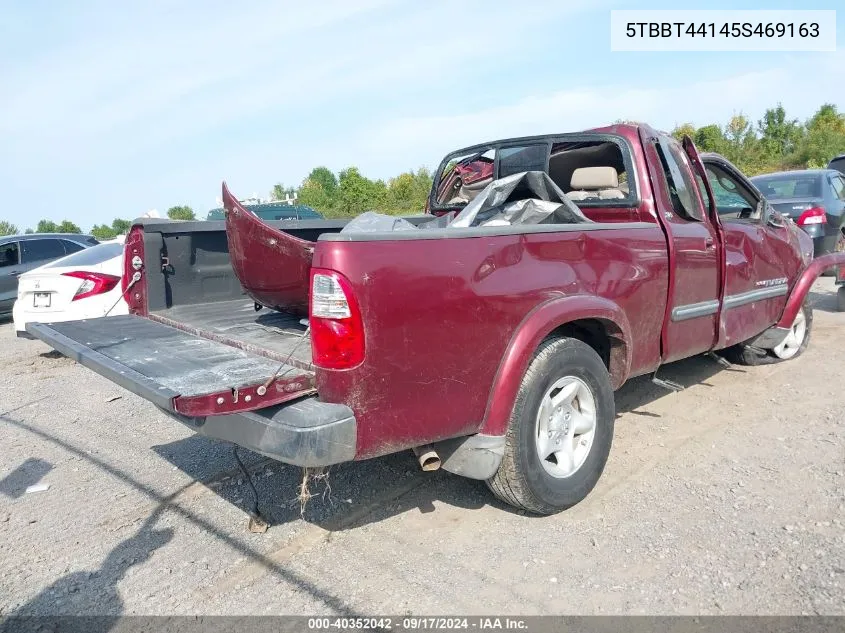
{"type": "Point", "coordinates": [165, 77]}
{"type": "Point", "coordinates": [801, 85]}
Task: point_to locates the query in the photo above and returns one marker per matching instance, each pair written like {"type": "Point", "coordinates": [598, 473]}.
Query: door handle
{"type": "Point", "coordinates": [709, 244]}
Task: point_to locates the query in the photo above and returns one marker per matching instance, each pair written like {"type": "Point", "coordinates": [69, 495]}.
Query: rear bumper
{"type": "Point", "coordinates": [306, 432]}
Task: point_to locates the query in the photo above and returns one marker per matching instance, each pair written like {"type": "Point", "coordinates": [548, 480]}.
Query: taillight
{"type": "Point", "coordinates": [133, 264]}
{"type": "Point", "coordinates": [337, 330]}
{"type": "Point", "coordinates": [816, 215]}
{"type": "Point", "coordinates": [92, 283]}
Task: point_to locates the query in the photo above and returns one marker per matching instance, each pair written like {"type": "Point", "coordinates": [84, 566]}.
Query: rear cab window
{"type": "Point", "coordinates": [9, 254]}
{"type": "Point", "coordinates": [591, 169]}
{"type": "Point", "coordinates": [795, 185]}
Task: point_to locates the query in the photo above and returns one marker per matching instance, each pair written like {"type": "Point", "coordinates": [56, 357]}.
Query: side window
{"type": "Point", "coordinates": [733, 201]}
{"type": "Point", "coordinates": [71, 247]}
{"type": "Point", "coordinates": [681, 187]}
{"type": "Point", "coordinates": [703, 191]}
{"type": "Point", "coordinates": [838, 187]}
{"type": "Point", "coordinates": [9, 254]}
{"type": "Point", "coordinates": [38, 250]}
{"type": "Point", "coordinates": [464, 177]}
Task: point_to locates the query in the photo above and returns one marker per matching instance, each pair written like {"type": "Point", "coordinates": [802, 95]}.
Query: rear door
{"type": "Point", "coordinates": [695, 278]}
{"type": "Point", "coordinates": [9, 271]}
{"type": "Point", "coordinates": [761, 260]}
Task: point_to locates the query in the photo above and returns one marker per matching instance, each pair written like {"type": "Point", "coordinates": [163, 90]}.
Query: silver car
{"type": "Point", "coordinates": [21, 253]}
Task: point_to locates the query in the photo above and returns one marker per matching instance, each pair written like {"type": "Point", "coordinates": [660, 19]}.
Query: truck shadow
{"type": "Point", "coordinates": [136, 548]}
{"type": "Point", "coordinates": [353, 494]}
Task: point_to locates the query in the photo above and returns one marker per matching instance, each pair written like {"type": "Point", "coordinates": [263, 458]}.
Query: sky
{"type": "Point", "coordinates": [111, 109]}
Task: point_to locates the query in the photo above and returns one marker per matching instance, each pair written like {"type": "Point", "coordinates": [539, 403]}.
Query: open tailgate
{"type": "Point", "coordinates": [176, 370]}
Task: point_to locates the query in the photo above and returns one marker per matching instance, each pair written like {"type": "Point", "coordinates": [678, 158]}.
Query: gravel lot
{"type": "Point", "coordinates": [728, 497]}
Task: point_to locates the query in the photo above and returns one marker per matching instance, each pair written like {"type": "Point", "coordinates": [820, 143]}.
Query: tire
{"type": "Point", "coordinates": [837, 248]}
{"type": "Point", "coordinates": [840, 299]}
{"type": "Point", "coordinates": [525, 479]}
{"type": "Point", "coordinates": [746, 355]}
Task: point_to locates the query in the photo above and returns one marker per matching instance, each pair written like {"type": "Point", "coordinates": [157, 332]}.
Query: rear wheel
{"type": "Point", "coordinates": [792, 346]}
{"type": "Point", "coordinates": [560, 431]}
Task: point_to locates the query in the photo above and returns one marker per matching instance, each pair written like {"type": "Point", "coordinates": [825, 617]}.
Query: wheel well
{"type": "Point", "coordinates": [604, 337]}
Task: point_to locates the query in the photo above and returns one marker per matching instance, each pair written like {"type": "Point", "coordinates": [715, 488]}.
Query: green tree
{"type": "Point", "coordinates": [326, 179]}
{"type": "Point", "coordinates": [46, 226]}
{"type": "Point", "coordinates": [407, 192]}
{"type": "Point", "coordinates": [278, 192]}
{"type": "Point", "coordinates": [28, 232]}
{"type": "Point", "coordinates": [181, 213]}
{"type": "Point", "coordinates": [824, 138]}
{"type": "Point", "coordinates": [103, 232]}
{"type": "Point", "coordinates": [742, 145]}
{"type": "Point", "coordinates": [120, 227]}
{"type": "Point", "coordinates": [7, 228]}
{"type": "Point", "coordinates": [357, 194]}
{"type": "Point", "coordinates": [778, 135]}
{"type": "Point", "coordinates": [312, 194]}
{"type": "Point", "coordinates": [685, 129]}
{"type": "Point", "coordinates": [68, 227]}
{"type": "Point", "coordinates": [710, 138]}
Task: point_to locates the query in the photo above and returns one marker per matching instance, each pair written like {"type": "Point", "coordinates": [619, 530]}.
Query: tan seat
{"type": "Point", "coordinates": [589, 183]}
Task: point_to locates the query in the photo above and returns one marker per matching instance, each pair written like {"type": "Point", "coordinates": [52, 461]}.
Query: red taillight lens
{"type": "Point", "coordinates": [133, 263]}
{"type": "Point", "coordinates": [337, 330]}
{"type": "Point", "coordinates": [92, 283]}
{"type": "Point", "coordinates": [816, 215]}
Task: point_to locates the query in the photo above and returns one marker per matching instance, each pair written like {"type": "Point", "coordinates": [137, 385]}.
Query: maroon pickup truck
{"type": "Point", "coordinates": [492, 350]}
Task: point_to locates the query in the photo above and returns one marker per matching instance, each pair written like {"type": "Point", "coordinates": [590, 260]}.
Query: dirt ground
{"type": "Point", "coordinates": [728, 497]}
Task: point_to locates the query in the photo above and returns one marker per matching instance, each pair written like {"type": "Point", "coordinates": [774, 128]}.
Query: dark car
{"type": "Point", "coordinates": [273, 211]}
{"type": "Point", "coordinates": [20, 253]}
{"type": "Point", "coordinates": [838, 164]}
{"type": "Point", "coordinates": [814, 199]}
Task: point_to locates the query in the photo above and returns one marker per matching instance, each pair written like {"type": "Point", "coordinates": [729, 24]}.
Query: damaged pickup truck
{"type": "Point", "coordinates": [488, 334]}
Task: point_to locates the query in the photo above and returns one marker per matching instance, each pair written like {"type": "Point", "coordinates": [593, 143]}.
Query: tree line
{"type": "Point", "coordinates": [100, 231]}
{"type": "Point", "coordinates": [774, 142]}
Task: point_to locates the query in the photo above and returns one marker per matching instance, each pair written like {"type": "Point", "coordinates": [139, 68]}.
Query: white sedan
{"type": "Point", "coordinates": [83, 285]}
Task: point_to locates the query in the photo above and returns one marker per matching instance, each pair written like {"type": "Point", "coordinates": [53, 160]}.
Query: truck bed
{"type": "Point", "coordinates": [274, 335]}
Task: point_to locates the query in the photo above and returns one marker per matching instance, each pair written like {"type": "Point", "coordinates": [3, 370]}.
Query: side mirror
{"type": "Point", "coordinates": [774, 218]}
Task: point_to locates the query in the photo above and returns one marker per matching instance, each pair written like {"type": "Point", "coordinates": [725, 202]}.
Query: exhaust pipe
{"type": "Point", "coordinates": [427, 457]}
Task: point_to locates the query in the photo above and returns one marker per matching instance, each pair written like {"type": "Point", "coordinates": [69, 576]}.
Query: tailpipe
{"type": "Point", "coordinates": [427, 457]}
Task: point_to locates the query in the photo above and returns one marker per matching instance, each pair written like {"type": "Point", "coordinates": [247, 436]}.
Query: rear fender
{"type": "Point", "coordinates": [805, 281]}
{"type": "Point", "coordinates": [536, 326]}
